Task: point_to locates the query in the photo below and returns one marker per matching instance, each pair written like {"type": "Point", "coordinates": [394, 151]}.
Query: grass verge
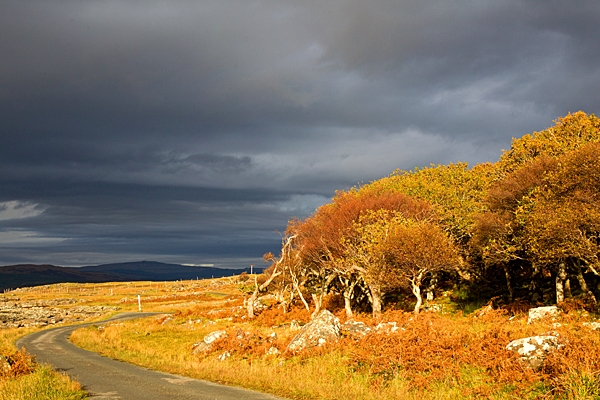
{"type": "Point", "coordinates": [434, 356]}
{"type": "Point", "coordinates": [23, 379]}
{"type": "Point", "coordinates": [42, 384]}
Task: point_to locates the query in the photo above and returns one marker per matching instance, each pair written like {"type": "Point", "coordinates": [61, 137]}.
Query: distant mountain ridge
{"type": "Point", "coordinates": [23, 275]}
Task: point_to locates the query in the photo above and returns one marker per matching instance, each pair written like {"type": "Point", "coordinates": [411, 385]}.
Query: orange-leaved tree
{"type": "Point", "coordinates": [320, 240]}
{"type": "Point", "coordinates": [391, 250]}
{"type": "Point", "coordinates": [498, 233]}
{"type": "Point", "coordinates": [562, 222]}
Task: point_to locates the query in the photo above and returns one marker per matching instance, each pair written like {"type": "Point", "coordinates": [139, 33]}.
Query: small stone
{"type": "Point", "coordinates": [324, 327]}
{"type": "Point", "coordinates": [533, 350]}
{"type": "Point", "coordinates": [536, 314]}
{"type": "Point", "coordinates": [595, 326]}
{"type": "Point", "coordinates": [356, 328]}
{"type": "Point", "coordinates": [211, 337]}
{"type": "Point", "coordinates": [387, 327]}
{"type": "Point", "coordinates": [205, 345]}
{"type": "Point", "coordinates": [433, 308]}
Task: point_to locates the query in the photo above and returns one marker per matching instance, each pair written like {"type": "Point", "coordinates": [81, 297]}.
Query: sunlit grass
{"type": "Point", "coordinates": [373, 369]}
{"type": "Point", "coordinates": [330, 374]}
{"type": "Point", "coordinates": [42, 384]}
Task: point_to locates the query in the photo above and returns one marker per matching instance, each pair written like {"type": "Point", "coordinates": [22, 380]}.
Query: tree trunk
{"type": "Point", "coordinates": [431, 287]}
{"type": "Point", "coordinates": [348, 283]}
{"type": "Point", "coordinates": [462, 271]}
{"type": "Point", "coordinates": [417, 292]}
{"type": "Point", "coordinates": [561, 276]}
{"type": "Point", "coordinates": [250, 304]}
{"type": "Point", "coordinates": [347, 305]}
{"type": "Point", "coordinates": [280, 297]}
{"type": "Point", "coordinates": [296, 288]}
{"type": "Point", "coordinates": [323, 290]}
{"type": "Point", "coordinates": [511, 293]}
{"type": "Point", "coordinates": [251, 300]}
{"type": "Point", "coordinates": [376, 299]}
{"type": "Point", "coordinates": [583, 284]}
{"type": "Point", "coordinates": [318, 300]}
{"type": "Point", "coordinates": [348, 294]}
{"type": "Point", "coordinates": [535, 288]}
{"type": "Point", "coordinates": [416, 289]}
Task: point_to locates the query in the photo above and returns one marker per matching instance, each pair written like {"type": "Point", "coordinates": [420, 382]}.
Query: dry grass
{"type": "Point", "coordinates": [41, 384]}
{"type": "Point", "coordinates": [433, 356]}
{"type": "Point", "coordinates": [28, 380]}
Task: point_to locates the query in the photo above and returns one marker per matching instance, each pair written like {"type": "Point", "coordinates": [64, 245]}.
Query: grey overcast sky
{"type": "Point", "coordinates": [192, 131]}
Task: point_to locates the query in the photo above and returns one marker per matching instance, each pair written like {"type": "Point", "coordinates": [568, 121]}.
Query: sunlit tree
{"type": "Point", "coordinates": [391, 251]}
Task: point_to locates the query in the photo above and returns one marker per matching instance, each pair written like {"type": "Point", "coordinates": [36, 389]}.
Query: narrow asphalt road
{"type": "Point", "coordinates": [104, 378]}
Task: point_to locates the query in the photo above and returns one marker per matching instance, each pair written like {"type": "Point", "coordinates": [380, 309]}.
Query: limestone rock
{"type": "Point", "coordinates": [211, 337]}
{"type": "Point", "coordinates": [536, 314]}
{"type": "Point", "coordinates": [243, 335]}
{"type": "Point", "coordinates": [14, 314]}
{"type": "Point", "coordinates": [435, 308]}
{"type": "Point", "coordinates": [224, 356]}
{"type": "Point", "coordinates": [356, 328]}
{"type": "Point", "coordinates": [201, 347]}
{"type": "Point", "coordinates": [206, 344]}
{"type": "Point", "coordinates": [323, 328]}
{"type": "Point", "coordinates": [387, 327]}
{"type": "Point", "coordinates": [533, 350]}
{"type": "Point", "coordinates": [595, 326]}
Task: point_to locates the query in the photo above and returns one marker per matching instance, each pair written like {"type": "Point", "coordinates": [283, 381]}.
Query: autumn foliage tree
{"type": "Point", "coordinates": [394, 251]}
{"type": "Point", "coordinates": [498, 233]}
{"type": "Point", "coordinates": [562, 222]}
{"type": "Point", "coordinates": [322, 240]}
{"type": "Point", "coordinates": [528, 222]}
{"type": "Point", "coordinates": [541, 214]}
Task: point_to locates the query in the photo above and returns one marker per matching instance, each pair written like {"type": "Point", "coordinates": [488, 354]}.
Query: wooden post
{"type": "Point", "coordinates": [139, 303]}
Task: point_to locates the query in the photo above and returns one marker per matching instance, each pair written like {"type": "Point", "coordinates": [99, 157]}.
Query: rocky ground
{"type": "Point", "coordinates": [15, 313]}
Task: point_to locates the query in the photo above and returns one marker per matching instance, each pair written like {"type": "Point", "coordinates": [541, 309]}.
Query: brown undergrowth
{"type": "Point", "coordinates": [432, 348]}
{"type": "Point", "coordinates": [15, 363]}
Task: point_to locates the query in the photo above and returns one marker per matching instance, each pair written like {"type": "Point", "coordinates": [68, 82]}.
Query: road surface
{"type": "Point", "coordinates": [104, 378]}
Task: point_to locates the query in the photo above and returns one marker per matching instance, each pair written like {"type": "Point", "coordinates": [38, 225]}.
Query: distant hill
{"type": "Point", "coordinates": [23, 275]}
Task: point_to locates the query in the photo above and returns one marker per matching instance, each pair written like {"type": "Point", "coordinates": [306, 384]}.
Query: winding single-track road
{"type": "Point", "coordinates": [104, 378]}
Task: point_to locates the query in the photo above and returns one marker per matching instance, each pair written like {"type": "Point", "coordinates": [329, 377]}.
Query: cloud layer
{"type": "Point", "coordinates": [190, 132]}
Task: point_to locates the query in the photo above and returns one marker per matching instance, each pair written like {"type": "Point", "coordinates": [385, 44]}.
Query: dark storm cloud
{"type": "Point", "coordinates": [189, 131]}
